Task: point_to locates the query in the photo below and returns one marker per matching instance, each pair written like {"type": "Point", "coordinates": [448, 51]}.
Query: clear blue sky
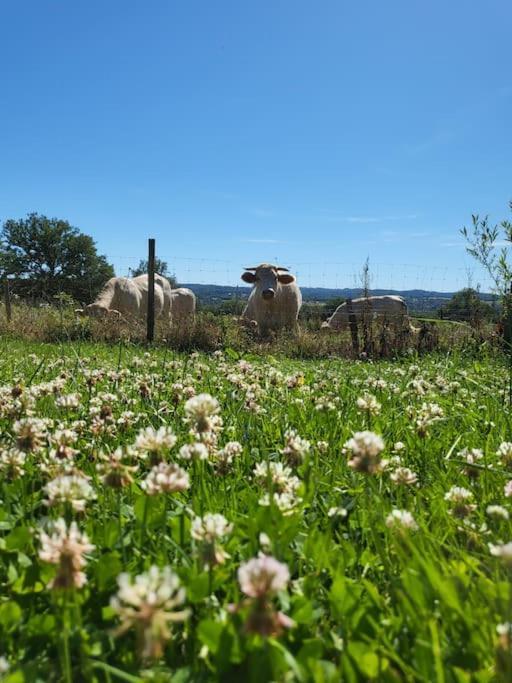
{"type": "Point", "coordinates": [312, 133]}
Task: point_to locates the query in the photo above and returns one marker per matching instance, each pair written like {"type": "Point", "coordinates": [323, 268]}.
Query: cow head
{"type": "Point", "coordinates": [266, 278]}
{"type": "Point", "coordinates": [98, 311]}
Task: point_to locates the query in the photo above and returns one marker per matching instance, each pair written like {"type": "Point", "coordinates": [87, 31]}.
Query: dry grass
{"type": "Point", "coordinates": [210, 332]}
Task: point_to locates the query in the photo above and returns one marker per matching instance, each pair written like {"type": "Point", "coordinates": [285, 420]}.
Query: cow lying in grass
{"type": "Point", "coordinates": [128, 297]}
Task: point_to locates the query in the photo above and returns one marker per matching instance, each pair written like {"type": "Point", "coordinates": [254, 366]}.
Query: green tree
{"type": "Point", "coordinates": [48, 256]}
{"type": "Point", "coordinates": [467, 305]}
{"type": "Point", "coordinates": [161, 268]}
{"type": "Point", "coordinates": [489, 245]}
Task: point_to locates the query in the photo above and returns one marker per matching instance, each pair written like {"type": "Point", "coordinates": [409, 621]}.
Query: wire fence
{"type": "Point", "coordinates": [321, 274]}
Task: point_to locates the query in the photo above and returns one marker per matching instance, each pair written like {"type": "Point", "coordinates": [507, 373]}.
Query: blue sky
{"type": "Point", "coordinates": [315, 134]}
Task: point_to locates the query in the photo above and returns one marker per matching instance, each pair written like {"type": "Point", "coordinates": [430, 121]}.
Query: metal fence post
{"type": "Point", "coordinates": [151, 291]}
{"type": "Point", "coordinates": [7, 300]}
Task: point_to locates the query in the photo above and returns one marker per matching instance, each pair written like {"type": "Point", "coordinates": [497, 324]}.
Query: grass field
{"type": "Point", "coordinates": [286, 520]}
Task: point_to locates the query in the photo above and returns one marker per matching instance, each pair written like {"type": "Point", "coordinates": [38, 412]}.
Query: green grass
{"type": "Point", "coordinates": [368, 602]}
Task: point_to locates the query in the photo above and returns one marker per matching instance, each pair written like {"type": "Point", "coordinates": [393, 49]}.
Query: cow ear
{"type": "Point", "coordinates": [249, 277]}
{"type": "Point", "coordinates": [286, 278]}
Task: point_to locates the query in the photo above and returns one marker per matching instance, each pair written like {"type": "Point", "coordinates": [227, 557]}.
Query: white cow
{"type": "Point", "coordinates": [275, 300]}
{"type": "Point", "coordinates": [183, 305]}
{"type": "Point", "coordinates": [123, 296]}
{"type": "Point", "coordinates": [390, 308]}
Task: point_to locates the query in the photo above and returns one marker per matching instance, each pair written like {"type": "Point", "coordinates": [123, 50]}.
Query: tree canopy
{"type": "Point", "coordinates": [161, 267]}
{"type": "Point", "coordinates": [467, 305]}
{"type": "Point", "coordinates": [48, 256]}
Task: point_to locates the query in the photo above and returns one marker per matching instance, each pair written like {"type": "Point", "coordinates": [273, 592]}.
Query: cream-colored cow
{"type": "Point", "coordinates": [275, 300]}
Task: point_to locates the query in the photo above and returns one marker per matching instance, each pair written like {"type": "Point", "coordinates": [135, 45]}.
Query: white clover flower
{"type": "Point", "coordinates": [368, 404]}
{"type": "Point", "coordinates": [296, 448]}
{"type": "Point", "coordinates": [166, 478]}
{"type": "Point", "coordinates": [503, 551]}
{"type": "Point", "coordinates": [114, 469]}
{"type": "Point", "coordinates": [70, 488]}
{"type": "Point", "coordinates": [286, 502]}
{"type": "Point", "coordinates": [210, 528]}
{"type": "Point", "coordinates": [155, 441]}
{"type": "Point", "coordinates": [497, 511]}
{"type": "Point", "coordinates": [224, 457]}
{"type": "Point", "coordinates": [68, 401]}
{"type": "Point", "coordinates": [404, 476]}
{"type": "Point", "coordinates": [12, 463]}
{"type": "Point", "coordinates": [504, 453]}
{"type": "Point", "coordinates": [66, 547]}
{"type": "Point", "coordinates": [30, 433]}
{"type": "Point", "coordinates": [366, 448]}
{"type": "Point", "coordinates": [279, 475]}
{"type": "Point", "coordinates": [4, 665]}
{"type": "Point", "coordinates": [200, 409]}
{"type": "Point", "coordinates": [508, 489]}
{"type": "Point", "coordinates": [148, 604]}
{"type": "Point", "coordinates": [401, 519]}
{"type": "Point", "coordinates": [194, 451]}
{"type": "Point", "coordinates": [337, 512]}
{"type": "Point", "coordinates": [263, 576]}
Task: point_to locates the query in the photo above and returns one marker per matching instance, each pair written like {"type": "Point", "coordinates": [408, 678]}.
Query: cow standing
{"type": "Point", "coordinates": [275, 300]}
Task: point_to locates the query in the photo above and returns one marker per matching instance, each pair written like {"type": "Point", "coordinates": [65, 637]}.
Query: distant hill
{"type": "Point", "coordinates": [417, 299]}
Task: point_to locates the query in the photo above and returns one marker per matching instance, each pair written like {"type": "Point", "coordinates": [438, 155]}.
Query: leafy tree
{"type": "Point", "coordinates": [48, 256]}
{"type": "Point", "coordinates": [467, 305]}
{"type": "Point", "coordinates": [161, 268]}
{"type": "Point", "coordinates": [484, 242]}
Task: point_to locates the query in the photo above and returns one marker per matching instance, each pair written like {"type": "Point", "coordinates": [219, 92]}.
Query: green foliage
{"type": "Point", "coordinates": [368, 602]}
{"type": "Point", "coordinates": [489, 244]}
{"type": "Point", "coordinates": [47, 256]}
{"type": "Point", "coordinates": [161, 267]}
{"type": "Point", "coordinates": [468, 306]}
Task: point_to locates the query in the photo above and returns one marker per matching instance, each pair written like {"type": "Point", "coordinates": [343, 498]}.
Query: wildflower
{"type": "Point", "coordinates": [4, 665]}
{"type": "Point", "coordinates": [68, 401]}
{"type": "Point", "coordinates": [286, 502]}
{"type": "Point", "coordinates": [296, 448]}
{"type": "Point", "coordinates": [209, 531]}
{"type": "Point", "coordinates": [368, 404]}
{"type": "Point", "coordinates": [224, 457]}
{"type": "Point", "coordinates": [12, 463]}
{"type": "Point", "coordinates": [30, 433]}
{"type": "Point", "coordinates": [401, 520]}
{"type": "Point", "coordinates": [471, 457]}
{"type": "Point", "coordinates": [114, 471]}
{"type": "Point", "coordinates": [199, 411]}
{"type": "Point", "coordinates": [62, 440]}
{"type": "Point", "coordinates": [261, 579]}
{"type": "Point", "coordinates": [508, 489]}
{"type": "Point", "coordinates": [166, 478]}
{"type": "Point", "coordinates": [403, 476]}
{"type": "Point", "coordinates": [279, 475]}
{"type": "Point", "coordinates": [323, 446]}
{"type": "Point", "coordinates": [459, 498]}
{"type": "Point", "coordinates": [427, 415]}
{"type": "Point", "coordinates": [65, 547]}
{"type": "Point", "coordinates": [148, 604]}
{"type": "Point", "coordinates": [70, 488]}
{"type": "Point", "coordinates": [504, 453]}
{"type": "Point", "coordinates": [497, 511]}
{"type": "Point", "coordinates": [503, 551]}
{"type": "Point", "coordinates": [334, 512]}
{"type": "Point", "coordinates": [366, 449]}
{"type": "Point", "coordinates": [194, 451]}
{"type": "Point", "coordinates": [154, 442]}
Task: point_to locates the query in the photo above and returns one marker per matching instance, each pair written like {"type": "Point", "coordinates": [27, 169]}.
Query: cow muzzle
{"type": "Point", "coordinates": [268, 294]}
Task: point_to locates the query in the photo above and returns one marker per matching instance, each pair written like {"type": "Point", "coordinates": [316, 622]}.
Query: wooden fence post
{"type": "Point", "coordinates": [151, 291]}
{"type": "Point", "coordinates": [353, 327]}
{"type": "Point", "coordinates": [507, 323]}
{"type": "Point", "coordinates": [7, 300]}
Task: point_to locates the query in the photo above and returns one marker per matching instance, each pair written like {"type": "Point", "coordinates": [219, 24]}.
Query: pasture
{"type": "Point", "coordinates": [232, 516]}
